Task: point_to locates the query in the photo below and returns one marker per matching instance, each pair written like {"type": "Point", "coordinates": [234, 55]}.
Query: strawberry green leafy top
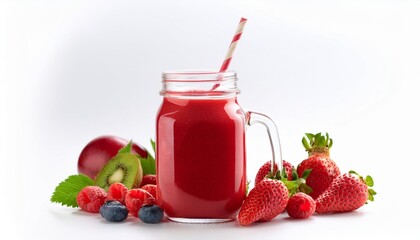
{"type": "Point", "coordinates": [317, 143]}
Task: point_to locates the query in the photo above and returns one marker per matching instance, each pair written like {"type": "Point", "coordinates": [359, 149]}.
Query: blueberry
{"type": "Point", "coordinates": [114, 211]}
{"type": "Point", "coordinates": [151, 214]}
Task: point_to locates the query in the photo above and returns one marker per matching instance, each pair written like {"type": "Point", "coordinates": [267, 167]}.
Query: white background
{"type": "Point", "coordinates": [74, 70]}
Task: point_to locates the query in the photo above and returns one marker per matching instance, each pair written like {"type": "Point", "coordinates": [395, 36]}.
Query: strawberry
{"type": "Point", "coordinates": [300, 206]}
{"type": "Point", "coordinates": [266, 169]}
{"type": "Point", "coordinates": [324, 169]}
{"type": "Point", "coordinates": [264, 202]}
{"type": "Point", "coordinates": [346, 193]}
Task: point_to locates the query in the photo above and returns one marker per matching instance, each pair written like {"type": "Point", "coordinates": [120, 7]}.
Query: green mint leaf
{"type": "Point", "coordinates": [126, 148]}
{"type": "Point", "coordinates": [66, 191]}
{"type": "Point", "coordinates": [148, 164]}
{"type": "Point", "coordinates": [153, 143]}
{"type": "Point", "coordinates": [369, 181]}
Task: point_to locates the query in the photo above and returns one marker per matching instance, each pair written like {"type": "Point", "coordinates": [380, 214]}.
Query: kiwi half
{"type": "Point", "coordinates": [124, 168]}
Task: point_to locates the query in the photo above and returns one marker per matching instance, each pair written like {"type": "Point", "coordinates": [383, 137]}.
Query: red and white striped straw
{"type": "Point", "coordinates": [233, 44]}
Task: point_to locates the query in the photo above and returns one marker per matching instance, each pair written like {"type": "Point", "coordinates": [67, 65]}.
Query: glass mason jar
{"type": "Point", "coordinates": [200, 146]}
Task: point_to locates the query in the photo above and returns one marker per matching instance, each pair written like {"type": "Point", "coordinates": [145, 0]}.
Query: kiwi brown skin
{"type": "Point", "coordinates": [124, 168]}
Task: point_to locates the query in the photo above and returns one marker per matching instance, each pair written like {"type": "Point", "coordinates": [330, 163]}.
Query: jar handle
{"type": "Point", "coordinates": [254, 117]}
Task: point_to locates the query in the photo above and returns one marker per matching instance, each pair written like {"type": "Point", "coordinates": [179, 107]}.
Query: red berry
{"type": "Point", "coordinates": [323, 172]}
{"type": "Point", "coordinates": [264, 171]}
{"type": "Point", "coordinates": [91, 198]}
{"type": "Point", "coordinates": [150, 188]}
{"type": "Point", "coordinates": [346, 193]}
{"type": "Point", "coordinates": [137, 198]}
{"type": "Point", "coordinates": [148, 179]}
{"type": "Point", "coordinates": [117, 192]}
{"type": "Point", "coordinates": [264, 202]}
{"type": "Point", "coordinates": [323, 168]}
{"type": "Point", "coordinates": [301, 205]}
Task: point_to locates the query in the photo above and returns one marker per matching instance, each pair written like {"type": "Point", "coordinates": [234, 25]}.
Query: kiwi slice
{"type": "Point", "coordinates": [124, 168]}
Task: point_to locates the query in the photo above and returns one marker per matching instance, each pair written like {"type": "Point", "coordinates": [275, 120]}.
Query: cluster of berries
{"type": "Point", "coordinates": [316, 186]}
{"type": "Point", "coordinates": [115, 204]}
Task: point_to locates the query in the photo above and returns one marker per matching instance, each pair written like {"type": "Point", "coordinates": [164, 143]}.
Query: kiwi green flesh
{"type": "Point", "coordinates": [124, 168]}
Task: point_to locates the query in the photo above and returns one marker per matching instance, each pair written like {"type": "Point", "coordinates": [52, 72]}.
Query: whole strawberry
{"type": "Point", "coordinates": [266, 169]}
{"type": "Point", "coordinates": [346, 193]}
{"type": "Point", "coordinates": [300, 206]}
{"type": "Point", "coordinates": [264, 202]}
{"type": "Point", "coordinates": [324, 169]}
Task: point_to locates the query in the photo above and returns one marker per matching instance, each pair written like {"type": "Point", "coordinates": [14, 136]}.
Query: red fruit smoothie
{"type": "Point", "coordinates": [201, 157]}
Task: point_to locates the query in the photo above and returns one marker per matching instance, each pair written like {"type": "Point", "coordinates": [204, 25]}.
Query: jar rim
{"type": "Point", "coordinates": [199, 75]}
{"type": "Point", "coordinates": [199, 83]}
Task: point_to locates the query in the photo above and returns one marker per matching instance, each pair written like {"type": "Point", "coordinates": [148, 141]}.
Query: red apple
{"type": "Point", "coordinates": [100, 150]}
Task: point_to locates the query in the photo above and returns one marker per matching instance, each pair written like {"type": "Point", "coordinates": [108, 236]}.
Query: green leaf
{"type": "Point", "coordinates": [369, 181]}
{"type": "Point", "coordinates": [305, 188]}
{"type": "Point", "coordinates": [153, 143]}
{"type": "Point", "coordinates": [283, 172]}
{"type": "Point", "coordinates": [126, 148]}
{"type": "Point", "coordinates": [353, 172]}
{"type": "Point", "coordinates": [148, 164]}
{"type": "Point", "coordinates": [294, 175]}
{"type": "Point", "coordinates": [306, 144]}
{"type": "Point", "coordinates": [371, 191]}
{"type": "Point", "coordinates": [306, 173]}
{"type": "Point", "coordinates": [66, 191]}
{"type": "Point", "coordinates": [330, 143]}
{"type": "Point", "coordinates": [292, 186]}
{"type": "Point", "coordinates": [321, 141]}
{"type": "Point", "coordinates": [309, 136]}
{"type": "Point", "coordinates": [317, 136]}
{"type": "Point", "coordinates": [277, 175]}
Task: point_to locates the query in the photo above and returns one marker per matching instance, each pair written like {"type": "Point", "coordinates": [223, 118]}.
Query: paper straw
{"type": "Point", "coordinates": [233, 44]}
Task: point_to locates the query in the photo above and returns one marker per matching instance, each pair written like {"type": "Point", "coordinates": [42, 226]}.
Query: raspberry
{"type": "Point", "coordinates": [137, 198]}
{"type": "Point", "coordinates": [151, 189]}
{"type": "Point", "coordinates": [148, 179]}
{"type": "Point", "coordinates": [117, 192]}
{"type": "Point", "coordinates": [91, 198]}
{"type": "Point", "coordinates": [300, 205]}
